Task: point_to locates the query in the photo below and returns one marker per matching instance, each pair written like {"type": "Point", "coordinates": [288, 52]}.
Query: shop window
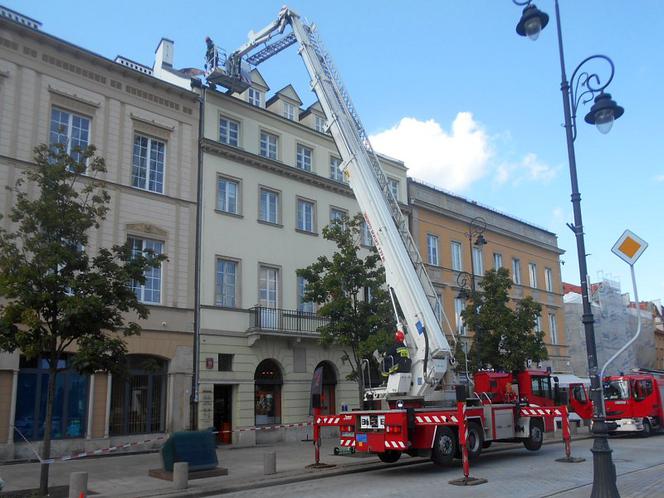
{"type": "Point", "coordinates": [69, 407]}
{"type": "Point", "coordinates": [138, 403]}
{"type": "Point", "coordinates": [268, 382]}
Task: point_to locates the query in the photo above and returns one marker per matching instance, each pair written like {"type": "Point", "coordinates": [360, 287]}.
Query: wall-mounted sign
{"type": "Point", "coordinates": [209, 363]}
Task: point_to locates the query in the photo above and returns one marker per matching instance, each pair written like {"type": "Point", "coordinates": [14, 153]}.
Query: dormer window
{"type": "Point", "coordinates": [289, 111]}
{"type": "Point", "coordinates": [320, 124]}
{"type": "Point", "coordinates": [255, 97]}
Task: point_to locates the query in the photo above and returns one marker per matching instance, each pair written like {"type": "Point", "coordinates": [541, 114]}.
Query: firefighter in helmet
{"type": "Point", "coordinates": [398, 358]}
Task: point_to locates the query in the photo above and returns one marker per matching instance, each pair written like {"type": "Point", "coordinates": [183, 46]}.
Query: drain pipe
{"type": "Point", "coordinates": [197, 260]}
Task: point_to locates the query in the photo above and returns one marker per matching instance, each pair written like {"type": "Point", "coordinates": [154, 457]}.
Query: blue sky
{"type": "Point", "coordinates": [452, 89]}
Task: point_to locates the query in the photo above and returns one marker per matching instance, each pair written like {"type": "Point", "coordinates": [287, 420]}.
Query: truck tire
{"type": "Point", "coordinates": [389, 456]}
{"type": "Point", "coordinates": [647, 428]}
{"type": "Point", "coordinates": [536, 437]}
{"type": "Point", "coordinates": [445, 446]}
{"type": "Point", "coordinates": [475, 441]}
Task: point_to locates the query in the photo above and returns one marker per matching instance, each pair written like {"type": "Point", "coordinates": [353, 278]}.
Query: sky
{"type": "Point", "coordinates": [452, 90]}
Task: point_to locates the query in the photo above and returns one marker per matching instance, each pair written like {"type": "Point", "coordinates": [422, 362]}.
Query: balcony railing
{"type": "Point", "coordinates": [281, 320]}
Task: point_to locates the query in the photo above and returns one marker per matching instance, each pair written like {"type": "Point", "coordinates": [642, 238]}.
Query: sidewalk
{"type": "Point", "coordinates": [127, 475]}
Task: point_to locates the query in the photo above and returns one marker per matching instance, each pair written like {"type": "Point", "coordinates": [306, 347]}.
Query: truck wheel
{"type": "Point", "coordinates": [647, 428]}
{"type": "Point", "coordinates": [475, 441]}
{"type": "Point", "coordinates": [536, 437]}
{"type": "Point", "coordinates": [389, 456]}
{"type": "Point", "coordinates": [444, 446]}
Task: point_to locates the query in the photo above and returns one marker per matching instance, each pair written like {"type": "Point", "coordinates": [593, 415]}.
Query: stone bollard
{"type": "Point", "coordinates": [180, 475]}
{"type": "Point", "coordinates": [270, 463]}
{"type": "Point", "coordinates": [78, 484]}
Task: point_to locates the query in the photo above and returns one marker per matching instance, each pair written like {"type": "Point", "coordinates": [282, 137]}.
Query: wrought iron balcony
{"type": "Point", "coordinates": [277, 321]}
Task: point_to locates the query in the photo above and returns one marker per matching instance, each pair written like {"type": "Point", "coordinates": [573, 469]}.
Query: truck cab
{"type": "Point", "coordinates": [633, 402]}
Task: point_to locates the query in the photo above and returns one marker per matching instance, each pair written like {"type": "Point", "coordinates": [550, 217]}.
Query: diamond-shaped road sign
{"type": "Point", "coordinates": [629, 247]}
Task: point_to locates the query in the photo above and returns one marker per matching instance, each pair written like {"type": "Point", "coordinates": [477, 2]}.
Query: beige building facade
{"type": "Point", "coordinates": [446, 228]}
{"type": "Point", "coordinates": [147, 131]}
{"type": "Point", "coordinates": [271, 182]}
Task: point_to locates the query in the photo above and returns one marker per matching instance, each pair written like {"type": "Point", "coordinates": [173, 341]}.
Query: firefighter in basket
{"type": "Point", "coordinates": [398, 357]}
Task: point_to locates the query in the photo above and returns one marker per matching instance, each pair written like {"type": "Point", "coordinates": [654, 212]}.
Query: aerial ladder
{"type": "Point", "coordinates": [422, 418]}
{"type": "Point", "coordinates": [406, 276]}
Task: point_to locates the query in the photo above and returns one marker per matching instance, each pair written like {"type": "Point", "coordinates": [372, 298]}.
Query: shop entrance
{"type": "Point", "coordinates": [223, 397]}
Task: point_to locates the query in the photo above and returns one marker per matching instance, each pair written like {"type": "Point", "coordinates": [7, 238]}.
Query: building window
{"type": "Point", "coordinates": [268, 145]}
{"type": "Point", "coordinates": [532, 274]}
{"type": "Point", "coordinates": [457, 260]}
{"type": "Point", "coordinates": [304, 156]}
{"type": "Point", "coordinates": [70, 403]}
{"type": "Point", "coordinates": [538, 324]}
{"type": "Point", "coordinates": [516, 271]}
{"type": "Point", "coordinates": [305, 215]}
{"type": "Point", "coordinates": [548, 276]}
{"type": "Point", "coordinates": [148, 164]}
{"type": "Point", "coordinates": [267, 393]}
{"type": "Point", "coordinates": [255, 97]}
{"type": "Point", "coordinates": [289, 111]}
{"type": "Point", "coordinates": [268, 287]}
{"type": "Point", "coordinates": [225, 362]}
{"type": "Point", "coordinates": [497, 260]}
{"type": "Point", "coordinates": [336, 172]}
{"type": "Point", "coordinates": [319, 124]}
{"type": "Point", "coordinates": [393, 185]}
{"type": "Point", "coordinates": [229, 132]}
{"type": "Point", "coordinates": [459, 306]}
{"type": "Point", "coordinates": [71, 130]}
{"type": "Point", "coordinates": [150, 291]}
{"type": "Point", "coordinates": [337, 214]}
{"type": "Point", "coordinates": [228, 193]}
{"type": "Point", "coordinates": [553, 328]}
{"type": "Point", "coordinates": [478, 261]}
{"type": "Point", "coordinates": [302, 305]}
{"type": "Point", "coordinates": [138, 404]}
{"type": "Point", "coordinates": [432, 249]}
{"type": "Point", "coordinates": [226, 283]}
{"type": "Point", "coordinates": [269, 209]}
{"type": "Point", "coordinates": [365, 235]}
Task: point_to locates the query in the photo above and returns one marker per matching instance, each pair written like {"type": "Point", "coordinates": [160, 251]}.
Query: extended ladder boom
{"type": "Point", "coordinates": [404, 269]}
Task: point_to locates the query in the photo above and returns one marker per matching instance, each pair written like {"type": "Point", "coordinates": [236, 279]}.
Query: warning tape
{"type": "Point", "coordinates": [110, 449]}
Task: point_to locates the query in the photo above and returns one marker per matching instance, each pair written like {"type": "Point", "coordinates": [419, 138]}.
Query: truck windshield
{"type": "Point", "coordinates": [616, 390]}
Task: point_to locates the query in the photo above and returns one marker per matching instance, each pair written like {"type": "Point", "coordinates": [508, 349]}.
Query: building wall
{"type": "Point", "coordinates": [448, 217]}
{"type": "Point", "coordinates": [38, 72]}
{"type": "Point", "coordinates": [250, 242]}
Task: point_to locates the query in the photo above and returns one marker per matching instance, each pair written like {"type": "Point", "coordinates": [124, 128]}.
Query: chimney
{"type": "Point", "coordinates": [164, 53]}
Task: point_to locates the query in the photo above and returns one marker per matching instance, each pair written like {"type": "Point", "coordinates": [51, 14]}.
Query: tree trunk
{"type": "Point", "coordinates": [48, 427]}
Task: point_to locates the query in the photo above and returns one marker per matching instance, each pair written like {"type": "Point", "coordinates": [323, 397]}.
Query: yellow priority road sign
{"type": "Point", "coordinates": [629, 247]}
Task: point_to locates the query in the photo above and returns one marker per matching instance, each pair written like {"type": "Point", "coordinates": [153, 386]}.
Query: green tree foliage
{"type": "Point", "coordinates": [507, 335]}
{"type": "Point", "coordinates": [57, 297]}
{"type": "Point", "coordinates": [340, 285]}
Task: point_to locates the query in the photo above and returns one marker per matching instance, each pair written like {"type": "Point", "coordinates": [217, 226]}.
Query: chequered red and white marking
{"type": "Point", "coordinates": [530, 412]}
{"type": "Point", "coordinates": [396, 445]}
{"type": "Point", "coordinates": [436, 419]}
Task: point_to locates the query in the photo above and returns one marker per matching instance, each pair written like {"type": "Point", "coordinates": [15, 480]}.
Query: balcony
{"type": "Point", "coordinates": [277, 322]}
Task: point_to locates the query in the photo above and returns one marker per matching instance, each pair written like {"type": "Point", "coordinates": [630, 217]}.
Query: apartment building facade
{"type": "Point", "coordinates": [446, 228]}
{"type": "Point", "coordinates": [271, 182]}
{"type": "Point", "coordinates": [147, 131]}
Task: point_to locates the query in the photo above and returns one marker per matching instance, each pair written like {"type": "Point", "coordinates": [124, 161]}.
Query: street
{"type": "Point", "coordinates": [513, 473]}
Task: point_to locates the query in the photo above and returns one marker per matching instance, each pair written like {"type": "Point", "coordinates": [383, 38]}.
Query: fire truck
{"type": "Point", "coordinates": [421, 416]}
{"type": "Point", "coordinates": [633, 402]}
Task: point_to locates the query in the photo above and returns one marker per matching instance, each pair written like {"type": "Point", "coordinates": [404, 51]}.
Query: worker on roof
{"type": "Point", "coordinates": [210, 54]}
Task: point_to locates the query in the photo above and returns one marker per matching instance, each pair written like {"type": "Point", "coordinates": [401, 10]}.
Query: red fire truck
{"type": "Point", "coordinates": [422, 415]}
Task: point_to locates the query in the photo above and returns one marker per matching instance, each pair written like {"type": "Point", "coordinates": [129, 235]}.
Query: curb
{"type": "Point", "coordinates": [310, 475]}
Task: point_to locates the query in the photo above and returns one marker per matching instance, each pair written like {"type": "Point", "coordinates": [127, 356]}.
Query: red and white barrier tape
{"type": "Point", "coordinates": [110, 449]}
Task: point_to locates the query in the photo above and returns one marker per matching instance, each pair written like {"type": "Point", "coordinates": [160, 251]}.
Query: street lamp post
{"type": "Point", "coordinates": [476, 228]}
{"type": "Point", "coordinates": [581, 88]}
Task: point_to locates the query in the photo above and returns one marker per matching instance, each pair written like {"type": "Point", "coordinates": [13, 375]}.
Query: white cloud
{"type": "Point", "coordinates": [451, 160]}
{"type": "Point", "coordinates": [530, 168]}
{"type": "Point", "coordinates": [659, 178]}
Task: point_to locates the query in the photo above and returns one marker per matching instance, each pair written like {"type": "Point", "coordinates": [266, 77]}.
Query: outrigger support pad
{"type": "Point", "coordinates": [468, 481]}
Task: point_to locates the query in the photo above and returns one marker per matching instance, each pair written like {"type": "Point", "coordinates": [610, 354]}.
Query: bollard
{"type": "Point", "coordinates": [270, 462]}
{"type": "Point", "coordinates": [181, 475]}
{"type": "Point", "coordinates": [78, 484]}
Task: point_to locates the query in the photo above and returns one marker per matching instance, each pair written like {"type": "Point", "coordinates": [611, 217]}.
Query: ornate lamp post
{"type": "Point", "coordinates": [581, 88]}
{"type": "Point", "coordinates": [475, 235]}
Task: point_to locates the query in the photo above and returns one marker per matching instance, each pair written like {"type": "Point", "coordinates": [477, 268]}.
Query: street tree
{"type": "Point", "coordinates": [58, 298]}
{"type": "Point", "coordinates": [507, 334]}
{"type": "Point", "coordinates": [350, 288]}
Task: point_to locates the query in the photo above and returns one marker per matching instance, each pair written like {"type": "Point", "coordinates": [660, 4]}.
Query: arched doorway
{"type": "Point", "coordinates": [328, 399]}
{"type": "Point", "coordinates": [267, 393]}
